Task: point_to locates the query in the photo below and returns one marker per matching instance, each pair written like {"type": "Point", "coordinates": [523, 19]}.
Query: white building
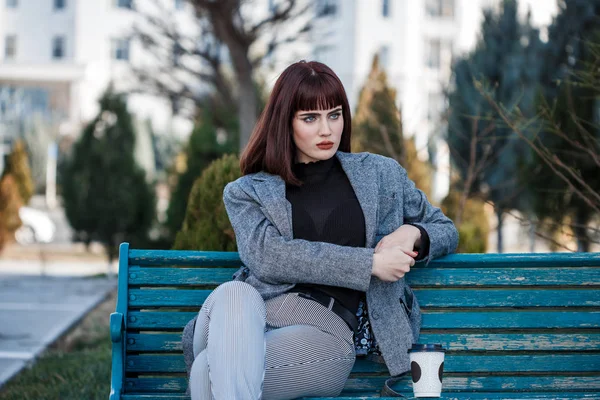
{"type": "Point", "coordinates": [60, 55]}
{"type": "Point", "coordinates": [57, 57]}
{"type": "Point", "coordinates": [417, 41]}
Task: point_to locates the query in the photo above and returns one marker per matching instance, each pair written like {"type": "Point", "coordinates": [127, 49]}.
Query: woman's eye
{"type": "Point", "coordinates": [335, 116]}
{"type": "Point", "coordinates": [309, 119]}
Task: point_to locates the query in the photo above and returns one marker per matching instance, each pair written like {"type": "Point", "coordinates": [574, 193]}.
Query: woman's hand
{"type": "Point", "coordinates": [407, 237]}
{"type": "Point", "coordinates": [394, 254]}
{"type": "Point", "coordinates": [391, 264]}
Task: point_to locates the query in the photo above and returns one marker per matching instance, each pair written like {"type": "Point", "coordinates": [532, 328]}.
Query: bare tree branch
{"type": "Point", "coordinates": [571, 225]}
{"type": "Point", "coordinates": [524, 221]}
{"type": "Point", "coordinates": [551, 160]}
{"type": "Point", "coordinates": [238, 33]}
{"type": "Point", "coordinates": [181, 62]}
{"type": "Point", "coordinates": [388, 143]}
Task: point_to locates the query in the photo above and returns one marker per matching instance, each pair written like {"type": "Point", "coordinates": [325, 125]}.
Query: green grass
{"type": "Point", "coordinates": [76, 367]}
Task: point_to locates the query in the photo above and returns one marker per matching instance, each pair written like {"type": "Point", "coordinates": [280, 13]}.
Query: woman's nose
{"type": "Point", "coordinates": [325, 129]}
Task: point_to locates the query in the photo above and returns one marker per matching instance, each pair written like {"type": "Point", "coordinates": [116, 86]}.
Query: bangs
{"type": "Point", "coordinates": [319, 91]}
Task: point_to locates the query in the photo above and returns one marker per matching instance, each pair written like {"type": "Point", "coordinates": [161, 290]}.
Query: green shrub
{"type": "Point", "coordinates": [377, 128]}
{"type": "Point", "coordinates": [105, 193]}
{"type": "Point", "coordinates": [10, 202]}
{"type": "Point", "coordinates": [18, 166]}
{"type": "Point", "coordinates": [214, 135]}
{"type": "Point", "coordinates": [206, 225]}
{"type": "Point", "coordinates": [474, 227]}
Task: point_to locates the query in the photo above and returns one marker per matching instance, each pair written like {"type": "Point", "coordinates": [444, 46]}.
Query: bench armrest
{"type": "Point", "coordinates": [117, 332]}
{"type": "Point", "coordinates": [117, 327]}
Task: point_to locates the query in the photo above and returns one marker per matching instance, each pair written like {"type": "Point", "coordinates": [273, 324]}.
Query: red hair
{"type": "Point", "coordinates": [302, 86]}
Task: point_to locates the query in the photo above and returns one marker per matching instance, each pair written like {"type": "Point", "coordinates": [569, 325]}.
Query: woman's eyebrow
{"type": "Point", "coordinates": [316, 113]}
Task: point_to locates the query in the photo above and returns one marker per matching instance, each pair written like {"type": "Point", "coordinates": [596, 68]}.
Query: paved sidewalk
{"type": "Point", "coordinates": [35, 310]}
{"type": "Point", "coordinates": [56, 268]}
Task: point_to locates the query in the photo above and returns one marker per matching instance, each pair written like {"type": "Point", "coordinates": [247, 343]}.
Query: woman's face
{"type": "Point", "coordinates": [317, 134]}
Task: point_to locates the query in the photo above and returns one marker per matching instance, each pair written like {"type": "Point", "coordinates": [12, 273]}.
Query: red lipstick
{"type": "Point", "coordinates": [325, 145]}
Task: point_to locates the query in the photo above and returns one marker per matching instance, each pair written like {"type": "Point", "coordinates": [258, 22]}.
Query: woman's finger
{"type": "Point", "coordinates": [413, 254]}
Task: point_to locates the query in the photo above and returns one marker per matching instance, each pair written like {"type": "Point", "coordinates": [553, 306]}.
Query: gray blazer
{"type": "Point", "coordinates": [274, 261]}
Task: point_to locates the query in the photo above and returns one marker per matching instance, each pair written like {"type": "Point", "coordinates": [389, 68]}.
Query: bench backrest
{"type": "Point", "coordinates": [510, 322]}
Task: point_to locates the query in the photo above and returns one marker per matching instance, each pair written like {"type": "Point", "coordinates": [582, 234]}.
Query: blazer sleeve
{"type": "Point", "coordinates": [443, 236]}
{"type": "Point", "coordinates": [275, 260]}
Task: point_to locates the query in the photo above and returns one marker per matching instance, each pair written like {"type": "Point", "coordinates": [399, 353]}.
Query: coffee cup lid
{"type": "Point", "coordinates": [426, 347]}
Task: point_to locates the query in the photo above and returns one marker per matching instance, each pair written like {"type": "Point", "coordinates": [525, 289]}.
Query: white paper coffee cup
{"type": "Point", "coordinates": [427, 368]}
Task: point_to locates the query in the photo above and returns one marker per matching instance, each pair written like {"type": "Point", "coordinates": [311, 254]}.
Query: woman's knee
{"type": "Point", "coordinates": [237, 292]}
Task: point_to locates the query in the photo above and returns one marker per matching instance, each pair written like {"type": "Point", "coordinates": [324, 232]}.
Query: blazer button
{"type": "Point", "coordinates": [375, 315]}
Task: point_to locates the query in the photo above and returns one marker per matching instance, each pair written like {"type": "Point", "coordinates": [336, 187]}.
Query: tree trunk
{"type": "Point", "coordinates": [499, 215]}
{"type": "Point", "coordinates": [532, 228]}
{"type": "Point", "coordinates": [580, 230]}
{"type": "Point", "coordinates": [238, 43]}
{"type": "Point", "coordinates": [247, 109]}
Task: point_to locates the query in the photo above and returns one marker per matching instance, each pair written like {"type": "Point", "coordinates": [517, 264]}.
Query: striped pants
{"type": "Point", "coordinates": [284, 348]}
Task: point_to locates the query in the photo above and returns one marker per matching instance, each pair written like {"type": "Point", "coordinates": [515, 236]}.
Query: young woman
{"type": "Point", "coordinates": [326, 237]}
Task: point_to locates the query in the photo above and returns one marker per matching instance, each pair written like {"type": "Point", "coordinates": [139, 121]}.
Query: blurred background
{"type": "Point", "coordinates": [122, 120]}
{"type": "Point", "coordinates": [111, 110]}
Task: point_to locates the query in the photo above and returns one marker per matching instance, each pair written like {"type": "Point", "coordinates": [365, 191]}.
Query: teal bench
{"type": "Point", "coordinates": [515, 325]}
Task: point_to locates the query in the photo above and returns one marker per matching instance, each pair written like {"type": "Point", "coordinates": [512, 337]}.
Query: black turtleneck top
{"type": "Point", "coordinates": [325, 209]}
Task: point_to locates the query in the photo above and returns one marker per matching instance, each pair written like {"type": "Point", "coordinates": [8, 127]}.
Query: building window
{"type": "Point", "coordinates": [10, 47]}
{"type": "Point", "coordinates": [179, 4]}
{"type": "Point", "coordinates": [433, 52]}
{"type": "Point", "coordinates": [124, 4]}
{"type": "Point", "coordinates": [326, 8]}
{"type": "Point", "coordinates": [59, 4]}
{"type": "Point", "coordinates": [384, 57]}
{"type": "Point", "coordinates": [58, 47]}
{"type": "Point", "coordinates": [120, 49]}
{"type": "Point", "coordinates": [12, 3]}
{"type": "Point", "coordinates": [440, 8]}
{"type": "Point", "coordinates": [385, 8]}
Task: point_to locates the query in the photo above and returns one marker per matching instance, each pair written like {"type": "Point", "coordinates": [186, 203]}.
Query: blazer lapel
{"type": "Point", "coordinates": [364, 182]}
{"type": "Point", "coordinates": [271, 192]}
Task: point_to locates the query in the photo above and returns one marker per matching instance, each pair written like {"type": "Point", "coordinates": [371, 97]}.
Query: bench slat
{"type": "Point", "coordinates": [514, 341]}
{"type": "Point", "coordinates": [548, 260]}
{"type": "Point", "coordinates": [179, 276]}
{"type": "Point", "coordinates": [489, 383]}
{"type": "Point", "coordinates": [166, 342]}
{"type": "Point", "coordinates": [431, 319]}
{"type": "Point", "coordinates": [522, 297]}
{"type": "Point", "coordinates": [505, 384]}
{"type": "Point", "coordinates": [420, 276]}
{"type": "Point", "coordinates": [177, 257]}
{"type": "Point", "coordinates": [161, 342]}
{"type": "Point", "coordinates": [513, 320]}
{"type": "Point", "coordinates": [174, 364]}
{"type": "Point", "coordinates": [445, 396]}
{"type": "Point", "coordinates": [453, 363]}
{"type": "Point", "coordinates": [167, 297]}
{"type": "Point", "coordinates": [511, 260]}
{"type": "Point", "coordinates": [440, 298]}
{"type": "Point", "coordinates": [522, 276]}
